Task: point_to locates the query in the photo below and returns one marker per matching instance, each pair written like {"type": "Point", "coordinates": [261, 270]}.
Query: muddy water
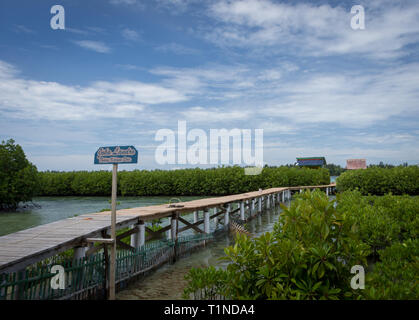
{"type": "Point", "coordinates": [168, 281]}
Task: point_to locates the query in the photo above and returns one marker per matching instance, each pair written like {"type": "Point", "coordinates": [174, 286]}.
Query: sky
{"type": "Point", "coordinates": [123, 69]}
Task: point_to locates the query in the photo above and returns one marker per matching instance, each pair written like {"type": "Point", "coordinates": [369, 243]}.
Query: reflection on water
{"type": "Point", "coordinates": [168, 281]}
{"type": "Point", "coordinates": [57, 208]}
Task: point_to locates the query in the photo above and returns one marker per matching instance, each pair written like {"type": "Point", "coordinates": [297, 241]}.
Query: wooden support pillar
{"type": "Point", "coordinates": [206, 221]}
{"type": "Point", "coordinates": [173, 229]}
{"type": "Point", "coordinates": [242, 217]}
{"type": "Point", "coordinates": [283, 196]}
{"type": "Point", "coordinates": [195, 216]}
{"type": "Point", "coordinates": [253, 206]}
{"type": "Point", "coordinates": [141, 234]}
{"type": "Point", "coordinates": [327, 191]}
{"type": "Point", "coordinates": [215, 219]}
{"type": "Point", "coordinates": [134, 238]}
{"type": "Point", "coordinates": [138, 238]}
{"type": "Point", "coordinates": [79, 252]}
{"type": "Point", "coordinates": [260, 204]}
{"type": "Point", "coordinates": [227, 216]}
{"type": "Point", "coordinates": [268, 201]}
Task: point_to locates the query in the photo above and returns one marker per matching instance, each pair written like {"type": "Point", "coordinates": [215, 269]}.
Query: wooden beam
{"type": "Point", "coordinates": [123, 245]}
{"type": "Point", "coordinates": [100, 240]}
{"type": "Point", "coordinates": [189, 225]}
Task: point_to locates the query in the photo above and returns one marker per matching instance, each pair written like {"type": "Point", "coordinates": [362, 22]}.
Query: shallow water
{"type": "Point", "coordinates": [168, 281]}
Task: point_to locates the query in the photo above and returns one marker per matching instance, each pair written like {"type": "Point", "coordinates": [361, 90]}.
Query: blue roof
{"type": "Point", "coordinates": [310, 162]}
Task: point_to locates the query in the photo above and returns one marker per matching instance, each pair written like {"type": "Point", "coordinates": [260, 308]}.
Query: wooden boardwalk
{"type": "Point", "coordinates": [23, 248]}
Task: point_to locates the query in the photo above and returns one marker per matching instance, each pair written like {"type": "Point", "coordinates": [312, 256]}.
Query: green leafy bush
{"type": "Point", "coordinates": [216, 181]}
{"type": "Point", "coordinates": [314, 244]}
{"type": "Point", "coordinates": [308, 255]}
{"type": "Point", "coordinates": [396, 276]}
{"type": "Point", "coordinates": [18, 177]}
{"type": "Point", "coordinates": [379, 181]}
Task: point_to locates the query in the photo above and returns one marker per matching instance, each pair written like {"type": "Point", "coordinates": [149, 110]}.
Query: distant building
{"type": "Point", "coordinates": [353, 164]}
{"type": "Point", "coordinates": [311, 162]}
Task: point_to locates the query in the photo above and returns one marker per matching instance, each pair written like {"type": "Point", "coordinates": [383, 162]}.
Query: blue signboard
{"type": "Point", "coordinates": [117, 154]}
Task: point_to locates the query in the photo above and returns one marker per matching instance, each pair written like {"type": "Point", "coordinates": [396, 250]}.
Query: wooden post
{"type": "Point", "coordinates": [260, 204]}
{"type": "Point", "coordinates": [283, 196]}
{"type": "Point", "coordinates": [242, 217]}
{"type": "Point", "coordinates": [134, 238]}
{"type": "Point", "coordinates": [253, 205]}
{"type": "Point", "coordinates": [173, 229]}
{"type": "Point", "coordinates": [141, 234]}
{"type": "Point", "coordinates": [195, 216]}
{"type": "Point", "coordinates": [327, 191]}
{"type": "Point", "coordinates": [113, 235]}
{"type": "Point", "coordinates": [79, 252]}
{"type": "Point", "coordinates": [215, 219]}
{"type": "Point", "coordinates": [227, 216]}
{"type": "Point", "coordinates": [268, 201]}
{"type": "Point", "coordinates": [206, 221]}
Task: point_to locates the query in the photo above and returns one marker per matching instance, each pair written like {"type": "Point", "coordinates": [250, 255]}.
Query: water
{"type": "Point", "coordinates": [58, 208]}
{"type": "Point", "coordinates": [168, 281]}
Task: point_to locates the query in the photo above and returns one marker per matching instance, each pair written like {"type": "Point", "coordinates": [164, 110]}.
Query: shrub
{"type": "Point", "coordinates": [396, 275]}
{"type": "Point", "coordinates": [18, 177]}
{"type": "Point", "coordinates": [308, 255]}
{"type": "Point", "coordinates": [215, 181]}
{"type": "Point", "coordinates": [379, 181]}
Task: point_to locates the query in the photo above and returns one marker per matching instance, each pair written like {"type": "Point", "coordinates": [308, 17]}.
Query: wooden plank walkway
{"type": "Point", "coordinates": [20, 249]}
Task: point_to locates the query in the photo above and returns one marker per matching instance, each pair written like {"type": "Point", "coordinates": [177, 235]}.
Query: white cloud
{"type": "Point", "coordinates": [97, 46]}
{"type": "Point", "coordinates": [309, 29]}
{"type": "Point", "coordinates": [177, 49]}
{"type": "Point", "coordinates": [207, 115]}
{"type": "Point", "coordinates": [54, 101]}
{"type": "Point", "coordinates": [130, 34]}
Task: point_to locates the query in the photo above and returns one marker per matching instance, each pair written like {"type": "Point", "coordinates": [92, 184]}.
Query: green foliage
{"type": "Point", "coordinates": [379, 181]}
{"type": "Point", "coordinates": [334, 169]}
{"type": "Point", "coordinates": [18, 177]}
{"type": "Point", "coordinates": [314, 244]}
{"type": "Point", "coordinates": [396, 275]}
{"type": "Point", "coordinates": [216, 181]}
{"type": "Point", "coordinates": [381, 220]}
{"type": "Point", "coordinates": [307, 256]}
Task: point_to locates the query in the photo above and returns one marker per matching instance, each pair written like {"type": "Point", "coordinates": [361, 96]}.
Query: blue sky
{"type": "Point", "coordinates": [123, 69]}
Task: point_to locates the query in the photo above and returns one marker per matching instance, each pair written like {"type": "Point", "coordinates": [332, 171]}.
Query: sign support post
{"type": "Point", "coordinates": [113, 234]}
{"type": "Point", "coordinates": [114, 156]}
